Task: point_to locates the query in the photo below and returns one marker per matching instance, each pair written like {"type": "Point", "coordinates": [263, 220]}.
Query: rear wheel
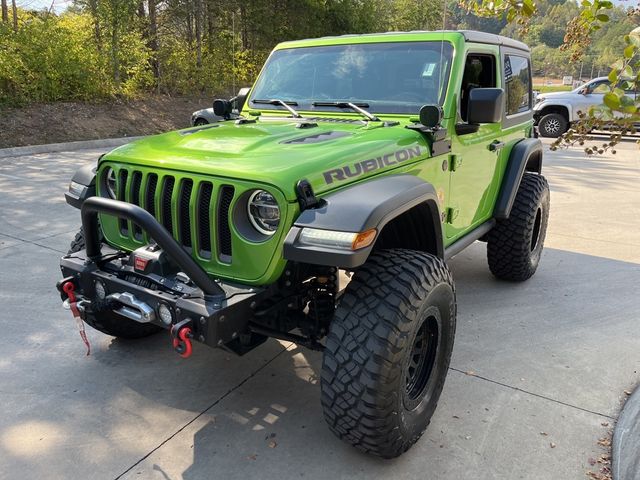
{"type": "Point", "coordinates": [514, 245]}
{"type": "Point", "coordinates": [109, 322]}
{"type": "Point", "coordinates": [388, 351]}
{"type": "Point", "coordinates": [199, 122]}
{"type": "Point", "coordinates": [552, 125]}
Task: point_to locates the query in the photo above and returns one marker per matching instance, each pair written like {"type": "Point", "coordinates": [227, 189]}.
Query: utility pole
{"type": "Point", "coordinates": [581, 64]}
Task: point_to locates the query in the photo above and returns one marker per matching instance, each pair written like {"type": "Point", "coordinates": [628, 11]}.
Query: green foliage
{"type": "Point", "coordinates": [50, 58]}
{"type": "Point", "coordinates": [105, 48]}
{"type": "Point", "coordinates": [415, 15]}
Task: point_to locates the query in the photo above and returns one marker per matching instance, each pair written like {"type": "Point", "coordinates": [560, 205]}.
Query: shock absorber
{"type": "Point", "coordinates": [323, 300]}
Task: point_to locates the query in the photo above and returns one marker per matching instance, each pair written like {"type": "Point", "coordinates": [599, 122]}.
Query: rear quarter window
{"type": "Point", "coordinates": [517, 79]}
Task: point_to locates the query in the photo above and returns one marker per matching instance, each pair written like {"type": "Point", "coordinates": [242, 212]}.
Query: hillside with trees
{"type": "Point", "coordinates": [100, 49]}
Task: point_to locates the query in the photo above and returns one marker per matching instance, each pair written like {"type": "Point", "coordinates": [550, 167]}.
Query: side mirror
{"type": "Point", "coordinates": [485, 105]}
{"type": "Point", "coordinates": [430, 115]}
{"type": "Point", "coordinates": [222, 108]}
{"type": "Point", "coordinates": [240, 99]}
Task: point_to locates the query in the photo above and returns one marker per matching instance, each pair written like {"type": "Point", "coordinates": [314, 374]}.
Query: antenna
{"type": "Point", "coordinates": [444, 17]}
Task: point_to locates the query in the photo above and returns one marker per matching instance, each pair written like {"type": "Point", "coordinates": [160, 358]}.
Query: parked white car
{"type": "Point", "coordinates": [207, 115]}
{"type": "Point", "coordinates": [554, 112]}
{"type": "Point", "coordinates": [204, 116]}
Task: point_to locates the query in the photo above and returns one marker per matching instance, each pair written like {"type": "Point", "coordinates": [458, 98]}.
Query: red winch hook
{"type": "Point", "coordinates": [69, 288]}
{"type": "Point", "coordinates": [182, 342]}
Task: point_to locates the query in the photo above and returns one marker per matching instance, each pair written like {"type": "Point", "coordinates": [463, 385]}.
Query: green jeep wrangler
{"type": "Point", "coordinates": [381, 155]}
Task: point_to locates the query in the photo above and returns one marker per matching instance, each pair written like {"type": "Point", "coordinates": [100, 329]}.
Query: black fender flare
{"type": "Point", "coordinates": [85, 176]}
{"type": "Point", "coordinates": [526, 156]}
{"type": "Point", "coordinates": [358, 208]}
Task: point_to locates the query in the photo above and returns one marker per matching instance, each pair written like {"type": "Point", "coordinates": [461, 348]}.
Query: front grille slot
{"type": "Point", "coordinates": [224, 230]}
{"type": "Point", "coordinates": [167, 191]}
{"type": "Point", "coordinates": [184, 218]}
{"type": "Point", "coordinates": [204, 214]}
{"type": "Point", "coordinates": [136, 181]}
{"type": "Point", "coordinates": [150, 194]}
{"type": "Point", "coordinates": [121, 194]}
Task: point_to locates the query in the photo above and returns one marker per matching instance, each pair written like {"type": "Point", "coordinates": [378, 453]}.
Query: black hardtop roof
{"type": "Point", "coordinates": [483, 37]}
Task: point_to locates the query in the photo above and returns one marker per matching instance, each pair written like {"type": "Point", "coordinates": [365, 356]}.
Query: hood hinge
{"type": "Point", "coordinates": [306, 198]}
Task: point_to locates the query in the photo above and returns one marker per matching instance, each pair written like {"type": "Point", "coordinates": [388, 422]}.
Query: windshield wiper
{"type": "Point", "coordinates": [353, 106]}
{"type": "Point", "coordinates": [277, 101]}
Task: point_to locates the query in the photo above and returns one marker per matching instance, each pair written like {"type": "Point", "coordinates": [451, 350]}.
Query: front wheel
{"type": "Point", "coordinates": [552, 125]}
{"type": "Point", "coordinates": [388, 351]}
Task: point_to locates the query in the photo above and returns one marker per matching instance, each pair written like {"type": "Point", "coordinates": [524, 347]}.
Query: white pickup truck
{"type": "Point", "coordinates": [554, 112]}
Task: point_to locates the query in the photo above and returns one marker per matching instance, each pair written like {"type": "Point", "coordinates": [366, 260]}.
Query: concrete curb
{"type": "Point", "coordinates": [625, 450]}
{"type": "Point", "coordinates": [65, 147]}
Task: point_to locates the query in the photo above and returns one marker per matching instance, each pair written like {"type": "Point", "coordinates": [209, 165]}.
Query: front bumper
{"type": "Point", "coordinates": [216, 312]}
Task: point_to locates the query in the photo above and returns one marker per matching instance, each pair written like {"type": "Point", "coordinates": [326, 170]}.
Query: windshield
{"type": "Point", "coordinates": [384, 77]}
{"type": "Point", "coordinates": [590, 85]}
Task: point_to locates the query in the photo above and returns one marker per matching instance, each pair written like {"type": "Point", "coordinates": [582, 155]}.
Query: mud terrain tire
{"type": "Point", "coordinates": [388, 351]}
{"type": "Point", "coordinates": [514, 245]}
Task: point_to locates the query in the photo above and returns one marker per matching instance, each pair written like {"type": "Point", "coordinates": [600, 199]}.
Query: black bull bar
{"type": "Point", "coordinates": [217, 316]}
{"type": "Point", "coordinates": [94, 205]}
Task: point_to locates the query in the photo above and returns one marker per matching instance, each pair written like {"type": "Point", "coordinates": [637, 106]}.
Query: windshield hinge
{"type": "Point", "coordinates": [452, 214]}
{"type": "Point", "coordinates": [455, 162]}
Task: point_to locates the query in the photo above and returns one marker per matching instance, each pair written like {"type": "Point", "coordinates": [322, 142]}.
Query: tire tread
{"type": "Point", "coordinates": [508, 244]}
{"type": "Point", "coordinates": [366, 343]}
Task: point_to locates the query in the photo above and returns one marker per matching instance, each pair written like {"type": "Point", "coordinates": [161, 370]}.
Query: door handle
{"type": "Point", "coordinates": [496, 145]}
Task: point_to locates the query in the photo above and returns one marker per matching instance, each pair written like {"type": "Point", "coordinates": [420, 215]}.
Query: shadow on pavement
{"type": "Point", "coordinates": [553, 336]}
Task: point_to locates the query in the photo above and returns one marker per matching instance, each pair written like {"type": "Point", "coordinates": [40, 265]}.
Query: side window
{"type": "Point", "coordinates": [602, 87]}
{"type": "Point", "coordinates": [517, 80]}
{"type": "Point", "coordinates": [479, 72]}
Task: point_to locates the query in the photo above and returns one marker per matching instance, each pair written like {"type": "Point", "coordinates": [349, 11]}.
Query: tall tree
{"type": "Point", "coordinates": [153, 40]}
{"type": "Point", "coordinates": [93, 10]}
{"type": "Point", "coordinates": [14, 9]}
{"type": "Point", "coordinates": [117, 18]}
{"type": "Point", "coordinates": [5, 12]}
{"type": "Point", "coordinates": [198, 27]}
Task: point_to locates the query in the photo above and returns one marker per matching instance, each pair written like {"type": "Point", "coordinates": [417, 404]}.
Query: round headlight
{"type": "Point", "coordinates": [110, 182]}
{"type": "Point", "coordinates": [264, 212]}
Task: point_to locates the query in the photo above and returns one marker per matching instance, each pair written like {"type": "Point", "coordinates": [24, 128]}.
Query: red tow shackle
{"type": "Point", "coordinates": [69, 288]}
{"type": "Point", "coordinates": [182, 342]}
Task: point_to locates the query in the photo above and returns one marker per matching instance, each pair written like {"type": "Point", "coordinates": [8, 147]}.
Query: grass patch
{"type": "Point", "coordinates": [553, 88]}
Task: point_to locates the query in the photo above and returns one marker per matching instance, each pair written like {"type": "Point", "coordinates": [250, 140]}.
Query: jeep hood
{"type": "Point", "coordinates": [279, 152]}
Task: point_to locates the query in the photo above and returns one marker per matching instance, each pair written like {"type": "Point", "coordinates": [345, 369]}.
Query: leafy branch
{"type": "Point", "coordinates": [620, 111]}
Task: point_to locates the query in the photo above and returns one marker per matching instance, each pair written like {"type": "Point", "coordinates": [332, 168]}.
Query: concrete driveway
{"type": "Point", "coordinates": [537, 375]}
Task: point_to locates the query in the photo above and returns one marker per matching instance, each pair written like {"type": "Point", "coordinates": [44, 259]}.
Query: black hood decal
{"type": "Point", "coordinates": [358, 168]}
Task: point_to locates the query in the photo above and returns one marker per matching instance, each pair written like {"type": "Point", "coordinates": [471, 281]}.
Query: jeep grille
{"type": "Point", "coordinates": [201, 213]}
